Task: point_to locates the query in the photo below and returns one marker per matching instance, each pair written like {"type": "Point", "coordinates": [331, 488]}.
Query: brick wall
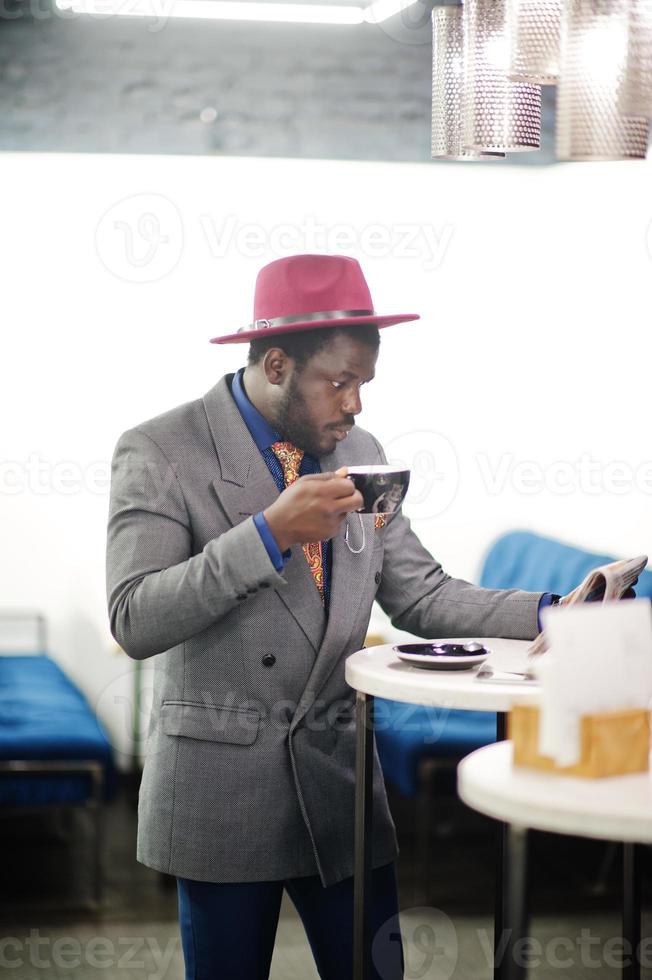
{"type": "Point", "coordinates": [75, 83]}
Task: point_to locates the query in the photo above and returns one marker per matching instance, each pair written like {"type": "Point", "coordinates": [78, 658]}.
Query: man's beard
{"type": "Point", "coordinates": [292, 420]}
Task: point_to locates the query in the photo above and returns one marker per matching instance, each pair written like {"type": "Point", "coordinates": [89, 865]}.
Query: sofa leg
{"type": "Point", "coordinates": [98, 876]}
{"type": "Point", "coordinates": [97, 808]}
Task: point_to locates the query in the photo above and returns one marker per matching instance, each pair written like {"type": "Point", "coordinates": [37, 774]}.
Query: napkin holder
{"type": "Point", "coordinates": [612, 743]}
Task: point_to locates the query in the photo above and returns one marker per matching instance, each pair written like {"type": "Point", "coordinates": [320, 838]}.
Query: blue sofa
{"type": "Point", "coordinates": [53, 750]}
{"type": "Point", "coordinates": [523, 560]}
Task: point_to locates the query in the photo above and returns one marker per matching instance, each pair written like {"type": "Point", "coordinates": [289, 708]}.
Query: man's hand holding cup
{"type": "Point", "coordinates": [312, 508]}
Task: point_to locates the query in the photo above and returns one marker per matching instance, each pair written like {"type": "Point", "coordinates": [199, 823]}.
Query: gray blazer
{"type": "Point", "coordinates": [250, 764]}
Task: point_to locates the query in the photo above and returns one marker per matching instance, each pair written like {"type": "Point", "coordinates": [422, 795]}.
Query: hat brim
{"type": "Point", "coordinates": [353, 321]}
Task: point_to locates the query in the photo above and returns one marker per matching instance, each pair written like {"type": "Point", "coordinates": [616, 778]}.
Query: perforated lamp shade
{"type": "Point", "coordinates": [447, 88]}
{"type": "Point", "coordinates": [534, 35]}
{"type": "Point", "coordinates": [497, 114]}
{"type": "Point", "coordinates": [592, 67]}
{"type": "Point", "coordinates": [636, 89]}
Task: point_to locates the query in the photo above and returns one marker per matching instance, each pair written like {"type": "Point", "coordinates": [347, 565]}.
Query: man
{"type": "Point", "coordinates": [235, 558]}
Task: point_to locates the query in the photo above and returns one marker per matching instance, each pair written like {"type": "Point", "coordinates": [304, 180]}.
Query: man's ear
{"type": "Point", "coordinates": [276, 365]}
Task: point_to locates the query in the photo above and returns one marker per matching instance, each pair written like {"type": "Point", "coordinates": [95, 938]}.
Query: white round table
{"type": "Point", "coordinates": [378, 672]}
{"type": "Point", "coordinates": [617, 808]}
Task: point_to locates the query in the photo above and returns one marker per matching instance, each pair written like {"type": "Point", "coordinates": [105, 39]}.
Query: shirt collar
{"type": "Point", "coordinates": [261, 431]}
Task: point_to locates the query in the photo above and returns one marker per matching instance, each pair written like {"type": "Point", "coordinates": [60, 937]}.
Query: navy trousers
{"type": "Point", "coordinates": [228, 930]}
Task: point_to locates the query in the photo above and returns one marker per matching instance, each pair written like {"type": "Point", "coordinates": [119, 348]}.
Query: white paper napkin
{"type": "Point", "coordinates": [600, 659]}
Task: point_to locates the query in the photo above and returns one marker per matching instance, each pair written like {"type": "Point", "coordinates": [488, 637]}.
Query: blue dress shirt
{"type": "Point", "coordinates": [546, 600]}
{"type": "Point", "coordinates": [264, 435]}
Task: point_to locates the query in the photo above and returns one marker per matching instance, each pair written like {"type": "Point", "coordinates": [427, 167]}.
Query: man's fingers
{"type": "Point", "coordinates": [346, 505]}
{"type": "Point", "coordinates": [342, 487]}
{"type": "Point", "coordinates": [323, 477]}
{"type": "Point", "coordinates": [332, 485]}
{"type": "Point", "coordinates": [345, 498]}
{"type": "Point", "coordinates": [337, 491]}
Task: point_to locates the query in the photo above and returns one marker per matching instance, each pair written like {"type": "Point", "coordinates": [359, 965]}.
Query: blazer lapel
{"type": "Point", "coordinates": [349, 572]}
{"type": "Point", "coordinates": [243, 488]}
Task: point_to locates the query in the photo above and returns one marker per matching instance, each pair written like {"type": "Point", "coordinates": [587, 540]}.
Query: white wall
{"type": "Point", "coordinates": [533, 348]}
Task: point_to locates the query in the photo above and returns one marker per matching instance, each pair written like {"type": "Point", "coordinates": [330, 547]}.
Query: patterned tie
{"type": "Point", "coordinates": [290, 459]}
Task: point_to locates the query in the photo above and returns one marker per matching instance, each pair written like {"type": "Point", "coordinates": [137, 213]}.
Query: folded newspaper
{"type": "Point", "coordinates": [615, 579]}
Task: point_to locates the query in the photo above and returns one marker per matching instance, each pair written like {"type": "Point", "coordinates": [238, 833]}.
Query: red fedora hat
{"type": "Point", "coordinates": [304, 292]}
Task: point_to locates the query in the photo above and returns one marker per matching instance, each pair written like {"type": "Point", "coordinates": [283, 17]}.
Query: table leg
{"type": "Point", "coordinates": [364, 705]}
{"type": "Point", "coordinates": [516, 906]}
{"type": "Point", "coordinates": [499, 898]}
{"type": "Point", "coordinates": [632, 909]}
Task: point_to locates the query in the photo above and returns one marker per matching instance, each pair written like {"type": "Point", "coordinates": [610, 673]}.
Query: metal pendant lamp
{"type": "Point", "coordinates": [448, 88]}
{"type": "Point", "coordinates": [534, 36]}
{"type": "Point", "coordinates": [636, 89]}
{"type": "Point", "coordinates": [498, 114]}
{"type": "Point", "coordinates": [590, 125]}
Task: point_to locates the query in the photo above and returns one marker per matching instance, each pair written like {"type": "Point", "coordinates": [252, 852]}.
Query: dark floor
{"type": "Point", "coordinates": [45, 862]}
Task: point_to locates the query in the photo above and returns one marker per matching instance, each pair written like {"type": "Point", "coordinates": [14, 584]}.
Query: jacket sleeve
{"type": "Point", "coordinates": [421, 598]}
{"type": "Point", "coordinates": [160, 594]}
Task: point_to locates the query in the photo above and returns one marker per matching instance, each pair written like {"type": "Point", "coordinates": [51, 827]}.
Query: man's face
{"type": "Point", "coordinates": [319, 401]}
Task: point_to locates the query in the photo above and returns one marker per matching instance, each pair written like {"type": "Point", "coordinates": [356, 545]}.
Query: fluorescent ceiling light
{"type": "Point", "coordinates": [381, 10]}
{"type": "Point", "coordinates": [298, 13]}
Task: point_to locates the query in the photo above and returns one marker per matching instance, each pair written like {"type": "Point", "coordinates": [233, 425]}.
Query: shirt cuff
{"type": "Point", "coordinates": [277, 558]}
{"type": "Point", "coordinates": [545, 600]}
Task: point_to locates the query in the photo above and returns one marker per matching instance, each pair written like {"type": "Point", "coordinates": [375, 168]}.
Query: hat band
{"type": "Point", "coordinates": [281, 321]}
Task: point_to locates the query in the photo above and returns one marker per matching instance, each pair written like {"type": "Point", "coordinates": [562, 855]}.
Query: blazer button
{"type": "Point", "coordinates": [252, 589]}
{"type": "Point", "coordinates": [377, 578]}
{"type": "Point", "coordinates": [242, 595]}
{"type": "Point", "coordinates": [269, 660]}
{"type": "Point", "coordinates": [264, 585]}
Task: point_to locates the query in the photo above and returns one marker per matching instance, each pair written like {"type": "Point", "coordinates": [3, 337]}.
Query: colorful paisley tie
{"type": "Point", "coordinates": [290, 459]}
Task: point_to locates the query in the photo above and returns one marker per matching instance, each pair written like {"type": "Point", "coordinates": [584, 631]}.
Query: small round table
{"type": "Point", "coordinates": [617, 808]}
{"type": "Point", "coordinates": [377, 671]}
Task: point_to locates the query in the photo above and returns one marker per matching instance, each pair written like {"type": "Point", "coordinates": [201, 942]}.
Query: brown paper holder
{"type": "Point", "coordinates": [612, 743]}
